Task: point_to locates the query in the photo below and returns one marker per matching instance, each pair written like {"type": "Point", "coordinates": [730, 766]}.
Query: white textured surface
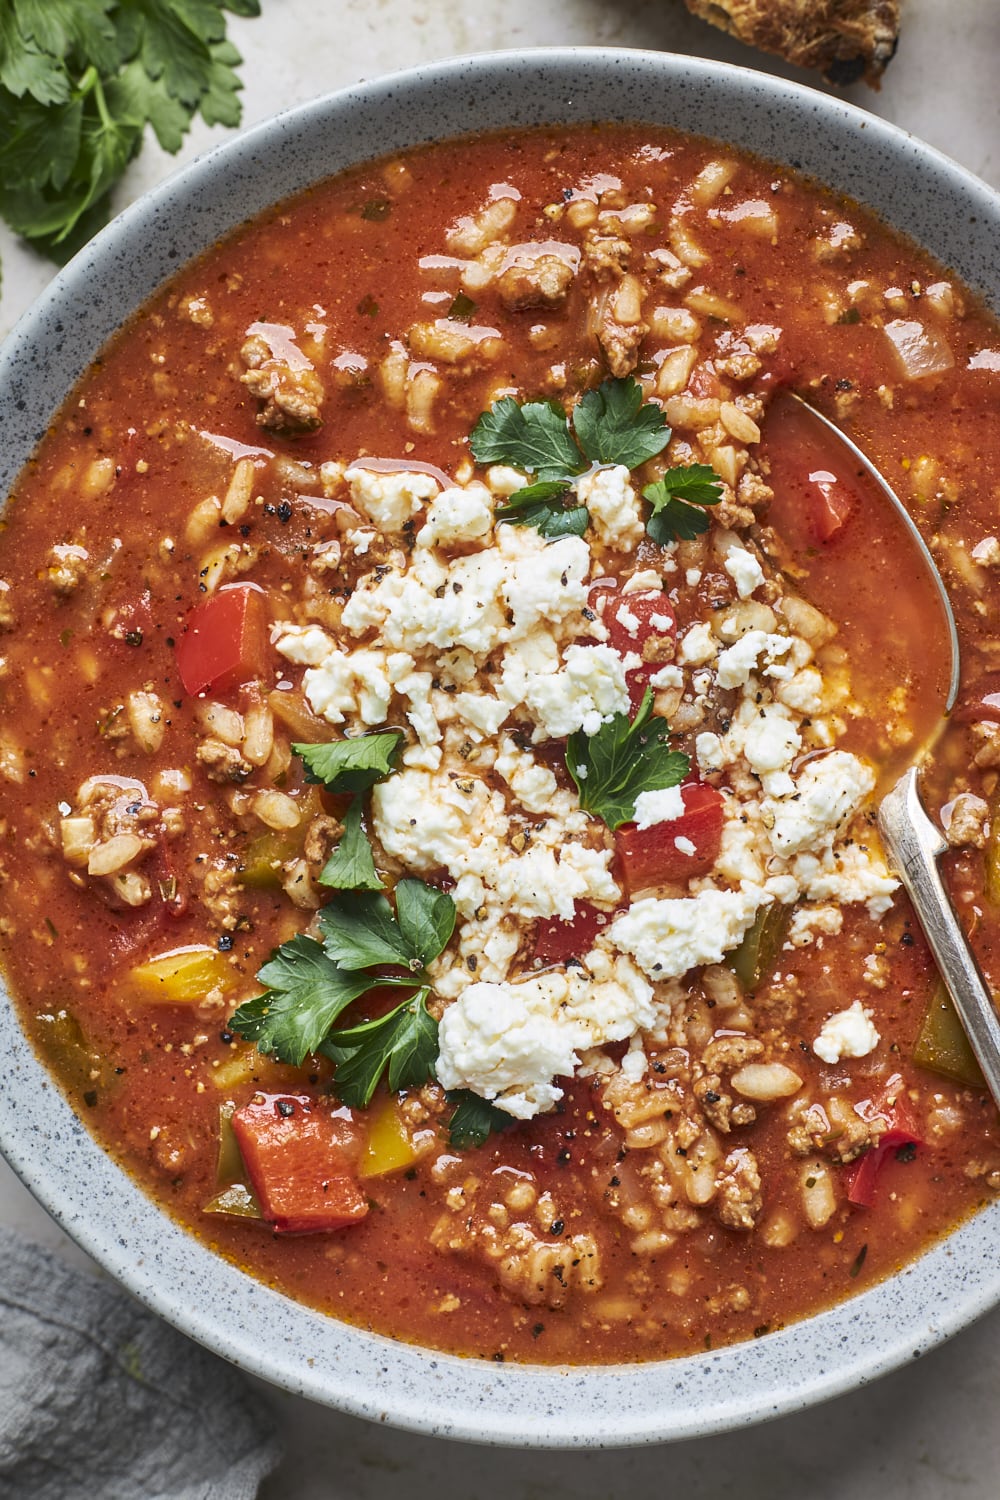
{"type": "Point", "coordinates": [928, 1432]}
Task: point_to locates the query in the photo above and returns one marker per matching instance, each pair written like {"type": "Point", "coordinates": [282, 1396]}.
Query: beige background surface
{"type": "Point", "coordinates": [930, 1432]}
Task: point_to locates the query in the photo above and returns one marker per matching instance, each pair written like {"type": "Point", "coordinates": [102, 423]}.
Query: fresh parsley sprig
{"type": "Point", "coordinates": [474, 1119]}
{"type": "Point", "coordinates": [309, 983]}
{"type": "Point", "coordinates": [611, 768]}
{"type": "Point", "coordinates": [402, 1044]}
{"type": "Point", "coordinates": [544, 507]}
{"type": "Point", "coordinates": [351, 765]}
{"type": "Point", "coordinates": [610, 425]}
{"type": "Point", "coordinates": [676, 499]}
{"type": "Point", "coordinates": [79, 82]}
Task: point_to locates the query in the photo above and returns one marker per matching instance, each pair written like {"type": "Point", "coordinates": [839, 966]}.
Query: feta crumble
{"type": "Point", "coordinates": [849, 1033]}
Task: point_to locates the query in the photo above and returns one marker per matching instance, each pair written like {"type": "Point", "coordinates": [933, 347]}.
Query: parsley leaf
{"type": "Point", "coordinates": [350, 866]}
{"type": "Point", "coordinates": [403, 1043]}
{"type": "Point", "coordinates": [615, 426]}
{"type": "Point", "coordinates": [426, 918]}
{"type": "Point", "coordinates": [610, 768]}
{"type": "Point", "coordinates": [534, 437]}
{"type": "Point", "coordinates": [360, 928]}
{"type": "Point", "coordinates": [351, 765]}
{"type": "Point", "coordinates": [675, 499]}
{"type": "Point", "coordinates": [305, 994]}
{"type": "Point", "coordinates": [543, 506]}
{"type": "Point", "coordinates": [474, 1119]}
{"type": "Point", "coordinates": [79, 82]}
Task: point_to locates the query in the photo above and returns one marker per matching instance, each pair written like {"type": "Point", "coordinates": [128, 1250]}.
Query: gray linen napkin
{"type": "Point", "coordinates": [99, 1400]}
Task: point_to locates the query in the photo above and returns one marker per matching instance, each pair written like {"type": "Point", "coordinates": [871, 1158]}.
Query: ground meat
{"type": "Point", "coordinates": [730, 1052]}
{"type": "Point", "coordinates": [834, 1129]}
{"type": "Point", "coordinates": [291, 398]}
{"type": "Point", "coordinates": [620, 343]}
{"type": "Point", "coordinates": [220, 894]}
{"type": "Point", "coordinates": [986, 737]}
{"type": "Point", "coordinates": [739, 1200]}
{"type": "Point", "coordinates": [606, 256]}
{"type": "Point", "coordinates": [223, 762]}
{"type": "Point", "coordinates": [969, 821]}
{"type": "Point", "coordinates": [544, 281]}
{"type": "Point", "coordinates": [718, 1107]}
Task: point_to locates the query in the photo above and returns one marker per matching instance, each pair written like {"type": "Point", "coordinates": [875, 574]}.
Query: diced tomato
{"type": "Point", "coordinates": [225, 640]}
{"type": "Point", "coordinates": [642, 624]}
{"type": "Point", "coordinates": [704, 383]}
{"type": "Point", "coordinates": [556, 940]}
{"type": "Point", "coordinates": [650, 856]}
{"type": "Point", "coordinates": [812, 474]}
{"type": "Point", "coordinates": [901, 1130]}
{"type": "Point", "coordinates": [298, 1166]}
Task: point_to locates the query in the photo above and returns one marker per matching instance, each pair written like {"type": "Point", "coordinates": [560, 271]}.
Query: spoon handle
{"type": "Point", "coordinates": [913, 844]}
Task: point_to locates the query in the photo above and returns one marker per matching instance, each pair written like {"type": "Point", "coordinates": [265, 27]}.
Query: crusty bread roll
{"type": "Point", "coordinates": [847, 39]}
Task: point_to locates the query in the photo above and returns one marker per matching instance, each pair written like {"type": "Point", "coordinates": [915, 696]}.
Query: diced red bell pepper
{"type": "Point", "coordinates": [650, 856]}
{"type": "Point", "coordinates": [298, 1166]}
{"type": "Point", "coordinates": [225, 640]}
{"type": "Point", "coordinates": [813, 476]}
{"type": "Point", "coordinates": [901, 1130]}
{"type": "Point", "coordinates": [557, 941]}
{"type": "Point", "coordinates": [633, 620]}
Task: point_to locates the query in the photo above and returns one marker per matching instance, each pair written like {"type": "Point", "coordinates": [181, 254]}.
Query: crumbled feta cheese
{"type": "Point", "coordinates": [390, 500]}
{"type": "Point", "coordinates": [709, 751]}
{"type": "Point", "coordinates": [849, 1033]}
{"type": "Point", "coordinates": [458, 515]}
{"type": "Point", "coordinates": [745, 571]}
{"type": "Point", "coordinates": [533, 784]}
{"type": "Point", "coordinates": [811, 922]}
{"type": "Point", "coordinates": [349, 683]}
{"type": "Point", "coordinates": [740, 660]}
{"type": "Point", "coordinates": [827, 793]}
{"type": "Point", "coordinates": [505, 481]}
{"type": "Point", "coordinates": [588, 689]}
{"type": "Point", "coordinates": [510, 1042]}
{"type": "Point", "coordinates": [847, 874]}
{"type": "Point", "coordinates": [667, 677]}
{"type": "Point", "coordinates": [684, 846]}
{"type": "Point", "coordinates": [658, 807]}
{"type": "Point", "coordinates": [305, 644]}
{"type": "Point", "coordinates": [484, 712]}
{"type": "Point", "coordinates": [666, 938]}
{"type": "Point", "coordinates": [613, 506]}
{"type": "Point", "coordinates": [697, 645]}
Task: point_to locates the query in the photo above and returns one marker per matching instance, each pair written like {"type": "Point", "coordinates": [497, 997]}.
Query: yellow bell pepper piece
{"type": "Point", "coordinates": [184, 976]}
{"type": "Point", "coordinates": [389, 1148]}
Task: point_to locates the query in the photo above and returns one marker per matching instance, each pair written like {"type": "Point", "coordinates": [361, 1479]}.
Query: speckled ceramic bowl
{"type": "Point", "coordinates": [912, 187]}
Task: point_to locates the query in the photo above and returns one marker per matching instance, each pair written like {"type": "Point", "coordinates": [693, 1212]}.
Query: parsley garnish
{"type": "Point", "coordinates": [351, 765]}
{"type": "Point", "coordinates": [310, 983]}
{"type": "Point", "coordinates": [79, 82]}
{"type": "Point", "coordinates": [474, 1119]}
{"type": "Point", "coordinates": [305, 994]}
{"type": "Point", "coordinates": [534, 437]}
{"type": "Point", "coordinates": [361, 929]}
{"type": "Point", "coordinates": [676, 499]}
{"type": "Point", "coordinates": [402, 1044]}
{"type": "Point", "coordinates": [610, 768]}
{"type": "Point", "coordinates": [351, 866]}
{"type": "Point", "coordinates": [612, 425]}
{"type": "Point", "coordinates": [543, 506]}
{"type": "Point", "coordinates": [615, 426]}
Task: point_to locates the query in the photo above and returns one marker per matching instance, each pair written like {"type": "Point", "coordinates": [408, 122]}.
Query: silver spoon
{"type": "Point", "coordinates": [914, 843]}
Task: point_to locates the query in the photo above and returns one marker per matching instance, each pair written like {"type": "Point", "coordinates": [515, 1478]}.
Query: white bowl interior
{"type": "Point", "coordinates": [916, 190]}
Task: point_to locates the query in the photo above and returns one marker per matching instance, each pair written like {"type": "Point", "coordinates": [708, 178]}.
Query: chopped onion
{"type": "Point", "coordinates": [919, 350]}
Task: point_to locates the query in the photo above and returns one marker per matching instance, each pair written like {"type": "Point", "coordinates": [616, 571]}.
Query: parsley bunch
{"type": "Point", "coordinates": [310, 982]}
{"type": "Point", "coordinates": [79, 82]}
{"type": "Point", "coordinates": [609, 425]}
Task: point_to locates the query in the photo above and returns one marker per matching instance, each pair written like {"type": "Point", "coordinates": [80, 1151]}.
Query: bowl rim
{"type": "Point", "coordinates": [165, 1266]}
